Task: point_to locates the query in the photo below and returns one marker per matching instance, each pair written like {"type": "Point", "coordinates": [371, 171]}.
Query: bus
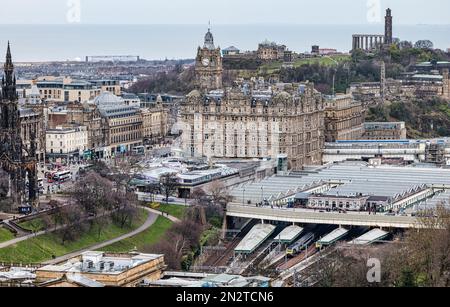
{"type": "Point", "coordinates": [62, 176]}
{"type": "Point", "coordinates": [85, 168]}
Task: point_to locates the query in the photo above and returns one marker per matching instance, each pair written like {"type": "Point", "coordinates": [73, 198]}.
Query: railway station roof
{"type": "Point", "coordinates": [356, 177]}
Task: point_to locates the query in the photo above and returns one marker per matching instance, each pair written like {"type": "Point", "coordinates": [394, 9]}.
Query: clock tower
{"type": "Point", "coordinates": [208, 65]}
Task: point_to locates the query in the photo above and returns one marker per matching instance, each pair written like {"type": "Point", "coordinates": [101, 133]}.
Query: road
{"type": "Point", "coordinates": [329, 218]}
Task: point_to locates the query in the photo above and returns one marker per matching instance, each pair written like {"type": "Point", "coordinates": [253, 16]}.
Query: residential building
{"type": "Point", "coordinates": [106, 85]}
{"type": "Point", "coordinates": [384, 131]}
{"type": "Point", "coordinates": [66, 142]}
{"type": "Point", "coordinates": [66, 89]}
{"type": "Point", "coordinates": [154, 122]}
{"type": "Point", "coordinates": [344, 118]}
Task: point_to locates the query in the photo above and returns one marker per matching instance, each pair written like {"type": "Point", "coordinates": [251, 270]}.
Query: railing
{"type": "Point", "coordinates": [21, 265]}
{"type": "Point", "coordinates": [305, 216]}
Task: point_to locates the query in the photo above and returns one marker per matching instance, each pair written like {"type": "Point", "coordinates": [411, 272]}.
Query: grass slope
{"type": "Point", "coordinates": [149, 237]}
{"type": "Point", "coordinates": [5, 235]}
{"type": "Point", "coordinates": [42, 248]}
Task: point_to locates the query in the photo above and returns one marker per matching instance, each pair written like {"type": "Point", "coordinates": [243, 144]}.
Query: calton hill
{"type": "Point", "coordinates": [424, 117]}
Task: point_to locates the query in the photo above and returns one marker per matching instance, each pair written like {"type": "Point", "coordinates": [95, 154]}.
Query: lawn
{"type": "Point", "coordinates": [42, 248]}
{"type": "Point", "coordinates": [5, 235]}
{"type": "Point", "coordinates": [273, 67]}
{"type": "Point", "coordinates": [34, 225]}
{"type": "Point", "coordinates": [149, 237]}
{"type": "Point", "coordinates": [174, 210]}
{"type": "Point", "coordinates": [324, 61]}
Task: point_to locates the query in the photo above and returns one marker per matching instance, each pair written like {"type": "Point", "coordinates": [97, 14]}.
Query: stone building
{"type": "Point", "coordinates": [255, 121]}
{"type": "Point", "coordinates": [67, 142]}
{"type": "Point", "coordinates": [86, 115]}
{"type": "Point", "coordinates": [410, 86]}
{"type": "Point", "coordinates": [384, 131]}
{"type": "Point", "coordinates": [208, 65]}
{"type": "Point", "coordinates": [121, 124]}
{"type": "Point", "coordinates": [344, 118]}
{"type": "Point", "coordinates": [271, 51]}
{"type": "Point", "coordinates": [99, 269]}
{"type": "Point", "coordinates": [154, 122]}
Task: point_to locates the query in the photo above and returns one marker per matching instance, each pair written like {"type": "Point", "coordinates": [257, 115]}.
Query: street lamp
{"type": "Point", "coordinates": [243, 196]}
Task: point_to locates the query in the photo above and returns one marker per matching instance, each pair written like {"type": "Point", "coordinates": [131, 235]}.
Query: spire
{"type": "Point", "coordinates": [209, 39]}
{"type": "Point", "coordinates": [9, 79]}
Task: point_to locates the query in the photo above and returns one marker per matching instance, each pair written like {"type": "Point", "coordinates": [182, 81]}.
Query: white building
{"type": "Point", "coordinates": [66, 142]}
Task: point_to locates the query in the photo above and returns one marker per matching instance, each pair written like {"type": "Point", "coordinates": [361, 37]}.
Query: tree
{"type": "Point", "coordinates": [219, 193]}
{"type": "Point", "coordinates": [169, 184]}
{"type": "Point", "coordinates": [71, 220]}
{"type": "Point", "coordinates": [124, 206]}
{"type": "Point", "coordinates": [405, 45]}
{"type": "Point", "coordinates": [93, 193]}
{"type": "Point", "coordinates": [424, 44]}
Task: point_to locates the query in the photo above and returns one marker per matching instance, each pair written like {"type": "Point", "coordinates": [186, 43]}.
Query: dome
{"type": "Point", "coordinates": [283, 96]}
{"type": "Point", "coordinates": [108, 98]}
{"type": "Point", "coordinates": [194, 94]}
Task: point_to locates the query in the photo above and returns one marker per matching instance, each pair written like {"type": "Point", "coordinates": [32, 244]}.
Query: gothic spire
{"type": "Point", "coordinates": [9, 80]}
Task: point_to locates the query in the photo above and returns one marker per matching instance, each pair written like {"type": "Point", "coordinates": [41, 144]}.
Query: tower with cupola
{"type": "Point", "coordinates": [208, 65]}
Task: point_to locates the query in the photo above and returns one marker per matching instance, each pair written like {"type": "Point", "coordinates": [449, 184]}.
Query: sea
{"type": "Point", "coordinates": [34, 43]}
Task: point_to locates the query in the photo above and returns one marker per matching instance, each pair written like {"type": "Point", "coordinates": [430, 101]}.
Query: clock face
{"type": "Point", "coordinates": [205, 61]}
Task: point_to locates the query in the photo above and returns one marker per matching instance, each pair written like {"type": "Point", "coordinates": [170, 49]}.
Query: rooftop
{"type": "Point", "coordinates": [355, 177]}
{"type": "Point", "coordinates": [101, 263]}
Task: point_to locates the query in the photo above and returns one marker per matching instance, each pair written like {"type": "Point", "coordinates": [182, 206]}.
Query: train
{"type": "Point", "coordinates": [300, 244]}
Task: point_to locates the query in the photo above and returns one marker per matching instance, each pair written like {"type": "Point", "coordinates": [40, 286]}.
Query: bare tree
{"type": "Point", "coordinates": [169, 184]}
{"type": "Point", "coordinates": [71, 219]}
{"type": "Point", "coordinates": [219, 193]}
{"type": "Point", "coordinates": [94, 194]}
{"type": "Point", "coordinates": [424, 44]}
{"type": "Point", "coordinates": [125, 209]}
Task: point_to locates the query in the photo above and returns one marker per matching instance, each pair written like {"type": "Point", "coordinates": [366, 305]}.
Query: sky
{"type": "Point", "coordinates": [221, 11]}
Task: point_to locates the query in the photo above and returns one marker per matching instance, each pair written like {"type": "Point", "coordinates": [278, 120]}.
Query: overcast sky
{"type": "Point", "coordinates": [222, 11]}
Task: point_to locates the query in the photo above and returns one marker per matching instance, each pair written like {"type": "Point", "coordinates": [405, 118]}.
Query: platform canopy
{"type": "Point", "coordinates": [333, 236]}
{"type": "Point", "coordinates": [254, 238]}
{"type": "Point", "coordinates": [370, 237]}
{"type": "Point", "coordinates": [289, 234]}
